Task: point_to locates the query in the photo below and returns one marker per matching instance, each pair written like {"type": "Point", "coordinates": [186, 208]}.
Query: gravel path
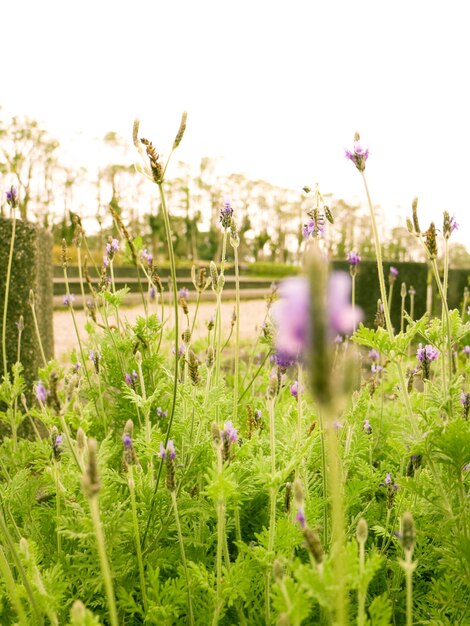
{"type": "Point", "coordinates": [252, 314]}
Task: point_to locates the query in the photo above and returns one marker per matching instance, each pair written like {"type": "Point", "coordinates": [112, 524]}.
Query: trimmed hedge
{"type": "Point", "coordinates": [31, 269]}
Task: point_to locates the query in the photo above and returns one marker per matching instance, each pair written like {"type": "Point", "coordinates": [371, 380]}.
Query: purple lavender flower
{"type": "Point", "coordinates": [68, 300]}
{"type": "Point", "coordinates": [112, 247]}
{"type": "Point", "coordinates": [393, 272]}
{"type": "Point", "coordinates": [183, 293]}
{"type": "Point", "coordinates": [466, 467]}
{"type": "Point", "coordinates": [367, 427]}
{"type": "Point", "coordinates": [161, 412]}
{"type": "Point", "coordinates": [258, 414]}
{"type": "Point", "coordinates": [152, 293]}
{"type": "Point", "coordinates": [308, 229]}
{"type": "Point", "coordinates": [226, 213]}
{"type": "Point", "coordinates": [374, 354]}
{"type": "Point", "coordinates": [58, 441]}
{"type": "Point", "coordinates": [388, 479]}
{"type": "Point", "coordinates": [76, 366]}
{"type": "Point", "coordinates": [229, 434]}
{"type": "Point", "coordinates": [428, 353]}
{"type": "Point", "coordinates": [291, 314]}
{"type": "Point", "coordinates": [41, 392]}
{"type": "Point", "coordinates": [162, 454]}
{"type": "Point", "coordinates": [131, 379]}
{"type": "Point", "coordinates": [300, 517]}
{"type": "Point", "coordinates": [463, 398]}
{"type": "Point", "coordinates": [95, 358]}
{"type": "Point", "coordinates": [466, 350]}
{"type": "Point", "coordinates": [375, 369]}
{"type": "Point", "coordinates": [338, 339]}
{"type": "Point", "coordinates": [453, 224]}
{"type": "Point", "coordinates": [294, 389]}
{"type": "Point", "coordinates": [127, 441]}
{"type": "Point", "coordinates": [353, 258]}
{"type": "Point", "coordinates": [105, 261]}
{"type": "Point", "coordinates": [358, 155]}
{"type": "Point", "coordinates": [12, 195]}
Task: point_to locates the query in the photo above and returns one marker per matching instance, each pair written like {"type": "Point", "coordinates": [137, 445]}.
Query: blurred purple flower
{"type": "Point", "coordinates": [169, 452]}
{"type": "Point", "coordinates": [226, 213]}
{"type": "Point", "coordinates": [152, 293]}
{"type": "Point", "coordinates": [466, 350]}
{"type": "Point", "coordinates": [294, 389]}
{"type": "Point", "coordinates": [367, 427]}
{"type": "Point", "coordinates": [394, 272]}
{"type": "Point", "coordinates": [338, 339]}
{"type": "Point", "coordinates": [105, 261]}
{"type": "Point", "coordinates": [375, 369]}
{"type": "Point", "coordinates": [183, 293]}
{"type": "Point", "coordinates": [291, 314]}
{"type": "Point", "coordinates": [300, 517]}
{"type": "Point", "coordinates": [229, 433]}
{"type": "Point", "coordinates": [161, 412]}
{"type": "Point", "coordinates": [58, 441]}
{"type": "Point", "coordinates": [68, 300]}
{"type": "Point", "coordinates": [353, 258]}
{"type": "Point", "coordinates": [374, 354]}
{"type": "Point", "coordinates": [453, 224]}
{"type": "Point", "coordinates": [127, 440]}
{"type": "Point", "coordinates": [112, 247]}
{"type": "Point", "coordinates": [131, 379]}
{"type": "Point", "coordinates": [41, 392]}
{"type": "Point", "coordinates": [12, 195]}
{"type": "Point", "coordinates": [429, 353]}
{"type": "Point", "coordinates": [358, 155]}
{"type": "Point", "coordinates": [388, 479]}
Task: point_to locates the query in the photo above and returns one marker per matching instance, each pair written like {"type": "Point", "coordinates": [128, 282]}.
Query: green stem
{"type": "Point", "coordinates": [237, 336]}
{"type": "Point", "coordinates": [272, 505]}
{"type": "Point", "coordinates": [353, 300]}
{"type": "Point", "coordinates": [57, 508]}
{"type": "Point", "coordinates": [82, 288]}
{"type": "Point", "coordinates": [7, 293]}
{"type": "Point", "coordinates": [171, 255]}
{"type": "Point", "coordinates": [338, 535]}
{"type": "Point", "coordinates": [104, 563]}
{"type": "Point", "coordinates": [11, 588]}
{"type": "Point", "coordinates": [183, 556]}
{"type": "Point", "coordinates": [220, 540]}
{"type": "Point", "coordinates": [383, 297]}
{"type": "Point", "coordinates": [195, 312]}
{"type": "Point", "coordinates": [131, 483]}
{"type": "Point", "coordinates": [36, 328]}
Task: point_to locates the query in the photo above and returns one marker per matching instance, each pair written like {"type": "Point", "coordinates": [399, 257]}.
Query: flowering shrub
{"type": "Point", "coordinates": [170, 480]}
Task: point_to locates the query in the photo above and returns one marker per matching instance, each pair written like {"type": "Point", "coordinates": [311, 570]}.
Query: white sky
{"type": "Point", "coordinates": [276, 88]}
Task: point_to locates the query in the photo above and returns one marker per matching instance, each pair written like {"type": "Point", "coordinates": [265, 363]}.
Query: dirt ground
{"type": "Point", "coordinates": [252, 314]}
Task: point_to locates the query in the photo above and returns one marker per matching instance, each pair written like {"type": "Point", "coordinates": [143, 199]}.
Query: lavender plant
{"type": "Point", "coordinates": [298, 489]}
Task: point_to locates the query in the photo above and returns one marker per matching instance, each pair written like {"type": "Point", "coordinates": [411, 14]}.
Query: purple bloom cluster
{"type": "Point", "coordinates": [147, 256]}
{"type": "Point", "coordinates": [300, 517]}
{"type": "Point", "coordinates": [394, 272]}
{"type": "Point", "coordinates": [428, 353]}
{"type": "Point", "coordinates": [68, 299]}
{"type": "Point", "coordinates": [358, 155]}
{"type": "Point", "coordinates": [41, 392]}
{"type": "Point", "coordinates": [152, 293]}
{"type": "Point", "coordinates": [12, 195]}
{"type": "Point", "coordinates": [374, 354]}
{"type": "Point", "coordinates": [466, 350]}
{"type": "Point", "coordinates": [229, 433]}
{"type": "Point", "coordinates": [294, 389]}
{"type": "Point", "coordinates": [291, 315]}
{"type": "Point", "coordinates": [112, 247]}
{"type": "Point", "coordinates": [169, 452]}
{"type": "Point", "coordinates": [127, 441]}
{"type": "Point", "coordinates": [131, 379]}
{"type": "Point", "coordinates": [353, 258]}
{"type": "Point", "coordinates": [183, 293]}
{"type": "Point", "coordinates": [161, 412]}
{"type": "Point", "coordinates": [313, 228]}
{"type": "Point", "coordinates": [367, 427]}
{"type": "Point", "coordinates": [226, 213]}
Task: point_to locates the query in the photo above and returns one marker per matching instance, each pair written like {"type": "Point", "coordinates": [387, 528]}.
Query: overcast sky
{"type": "Point", "coordinates": [276, 88]}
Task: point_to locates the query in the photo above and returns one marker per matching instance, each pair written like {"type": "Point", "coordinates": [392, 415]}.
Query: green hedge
{"type": "Point", "coordinates": [31, 269]}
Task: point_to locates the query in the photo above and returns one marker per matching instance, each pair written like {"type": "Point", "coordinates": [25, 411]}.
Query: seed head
{"type": "Point", "coordinates": [362, 531]}
{"type": "Point", "coordinates": [90, 479]}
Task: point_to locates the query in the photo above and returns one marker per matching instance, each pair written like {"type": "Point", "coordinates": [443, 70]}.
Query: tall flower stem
{"type": "Point", "coordinates": [79, 262]}
{"type": "Point", "coordinates": [353, 300]}
{"type": "Point", "coordinates": [338, 535]}
{"type": "Point", "coordinates": [7, 292]}
{"type": "Point", "coordinates": [57, 505]}
{"type": "Point", "coordinates": [36, 326]}
{"type": "Point", "coordinates": [220, 537]}
{"type": "Point", "coordinates": [131, 483]}
{"type": "Point", "coordinates": [272, 505]}
{"type": "Point", "coordinates": [445, 314]}
{"type": "Point", "coordinates": [183, 556]}
{"type": "Point", "coordinates": [82, 353]}
{"type": "Point", "coordinates": [237, 336]}
{"type": "Point", "coordinates": [383, 296]}
{"type": "Point", "coordinates": [299, 402]}
{"type": "Point", "coordinates": [171, 254]}
{"type": "Point", "coordinates": [11, 589]}
{"type": "Point", "coordinates": [104, 563]}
